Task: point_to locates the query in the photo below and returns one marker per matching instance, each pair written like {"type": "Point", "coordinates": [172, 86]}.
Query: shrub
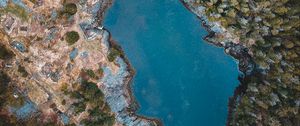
{"type": "Point", "coordinates": [75, 95]}
{"type": "Point", "coordinates": [113, 54]}
{"type": "Point", "coordinates": [63, 102]}
{"type": "Point", "coordinates": [16, 10]}
{"type": "Point", "coordinates": [4, 83]}
{"type": "Point", "coordinates": [79, 107]}
{"type": "Point", "coordinates": [91, 73]}
{"type": "Point", "coordinates": [91, 93]}
{"type": "Point", "coordinates": [4, 80]}
{"type": "Point", "coordinates": [33, 1]}
{"type": "Point", "coordinates": [99, 118]}
{"type": "Point", "coordinates": [72, 37]}
{"type": "Point", "coordinates": [70, 9]}
{"type": "Point", "coordinates": [4, 53]}
{"type": "Point", "coordinates": [22, 70]}
{"type": "Point", "coordinates": [14, 102]}
{"type": "Point", "coordinates": [100, 72]}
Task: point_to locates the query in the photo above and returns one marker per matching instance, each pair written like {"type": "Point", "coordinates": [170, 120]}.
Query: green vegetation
{"type": "Point", "coordinates": [7, 93]}
{"type": "Point", "coordinates": [4, 83]}
{"type": "Point", "coordinates": [71, 124]}
{"type": "Point", "coordinates": [5, 54]}
{"type": "Point", "coordinates": [23, 71]}
{"type": "Point", "coordinates": [91, 73]}
{"type": "Point", "coordinates": [113, 54]}
{"type": "Point", "coordinates": [88, 94]}
{"type": "Point", "coordinates": [79, 107]}
{"type": "Point", "coordinates": [100, 72]}
{"type": "Point", "coordinates": [6, 120]}
{"type": "Point", "coordinates": [91, 93]}
{"type": "Point", "coordinates": [270, 30]}
{"type": "Point", "coordinates": [15, 10]}
{"type": "Point", "coordinates": [64, 88]}
{"type": "Point", "coordinates": [13, 101]}
{"type": "Point", "coordinates": [99, 118]}
{"type": "Point", "coordinates": [3, 121]}
{"type": "Point", "coordinates": [71, 37]}
{"type": "Point", "coordinates": [63, 102]}
{"type": "Point", "coordinates": [33, 1]}
{"type": "Point", "coordinates": [76, 95]}
{"type": "Point", "coordinates": [70, 9]}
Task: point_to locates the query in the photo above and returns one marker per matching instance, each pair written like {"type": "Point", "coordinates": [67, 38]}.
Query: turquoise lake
{"type": "Point", "coordinates": [180, 78]}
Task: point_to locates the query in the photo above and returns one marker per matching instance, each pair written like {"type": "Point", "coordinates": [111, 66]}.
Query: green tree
{"type": "Point", "coordinates": [113, 54]}
{"type": "Point", "coordinates": [79, 107]}
{"type": "Point", "coordinates": [72, 37]}
{"type": "Point", "coordinates": [4, 81]}
{"type": "Point", "coordinates": [5, 53]}
{"type": "Point", "coordinates": [22, 70]}
{"type": "Point", "coordinates": [70, 9]}
{"type": "Point", "coordinates": [91, 73]}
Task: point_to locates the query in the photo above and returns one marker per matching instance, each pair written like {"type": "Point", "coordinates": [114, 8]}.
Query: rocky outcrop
{"type": "Point", "coordinates": [64, 67]}
{"type": "Point", "coordinates": [116, 87]}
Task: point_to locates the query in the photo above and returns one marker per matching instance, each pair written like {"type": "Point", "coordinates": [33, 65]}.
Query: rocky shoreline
{"type": "Point", "coordinates": [60, 66]}
{"type": "Point", "coordinates": [133, 106]}
{"type": "Point", "coordinates": [129, 111]}
{"type": "Point", "coordinates": [262, 36]}
{"type": "Point", "coordinates": [237, 51]}
{"type": "Point", "coordinates": [246, 65]}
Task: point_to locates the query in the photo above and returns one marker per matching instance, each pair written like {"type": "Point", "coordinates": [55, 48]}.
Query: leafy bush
{"type": "Point", "coordinates": [4, 53]}
{"type": "Point", "coordinates": [72, 37]}
{"type": "Point", "coordinates": [22, 70]}
{"type": "Point", "coordinates": [16, 10]}
{"type": "Point", "coordinates": [33, 1]}
{"type": "Point", "coordinates": [70, 9]}
{"type": "Point", "coordinates": [113, 54]}
{"type": "Point", "coordinates": [4, 80]}
{"type": "Point", "coordinates": [7, 91]}
{"type": "Point", "coordinates": [91, 93]}
{"type": "Point", "coordinates": [79, 107]}
{"type": "Point", "coordinates": [91, 73]}
{"type": "Point", "coordinates": [100, 72]}
{"type": "Point", "coordinates": [99, 118]}
{"type": "Point", "coordinates": [13, 101]}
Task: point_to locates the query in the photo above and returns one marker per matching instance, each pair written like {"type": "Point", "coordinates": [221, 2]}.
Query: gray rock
{"type": "Point", "coordinates": [274, 99]}
{"type": "Point", "coordinates": [257, 19]}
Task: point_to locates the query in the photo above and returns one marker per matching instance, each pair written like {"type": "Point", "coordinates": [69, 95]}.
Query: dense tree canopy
{"type": "Point", "coordinates": [72, 37]}
{"type": "Point", "coordinates": [5, 53]}
{"type": "Point", "coordinates": [70, 8]}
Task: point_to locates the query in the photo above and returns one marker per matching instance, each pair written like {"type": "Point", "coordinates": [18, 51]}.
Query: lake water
{"type": "Point", "coordinates": [179, 77]}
